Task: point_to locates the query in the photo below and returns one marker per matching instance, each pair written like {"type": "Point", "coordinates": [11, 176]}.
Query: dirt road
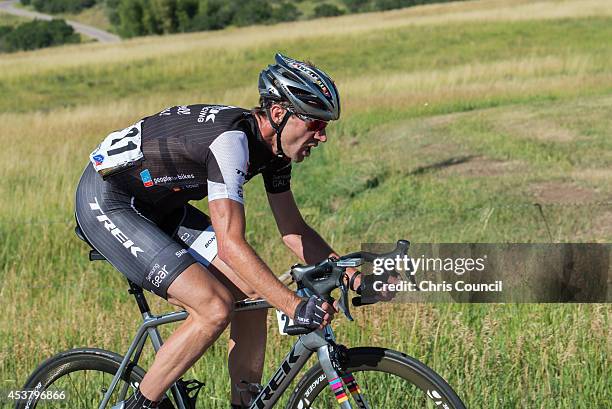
{"type": "Point", "coordinates": [100, 35]}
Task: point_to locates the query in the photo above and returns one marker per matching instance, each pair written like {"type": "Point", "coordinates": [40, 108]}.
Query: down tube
{"type": "Point", "coordinates": [286, 372]}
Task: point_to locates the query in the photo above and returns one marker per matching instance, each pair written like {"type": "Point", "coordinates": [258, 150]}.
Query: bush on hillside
{"type": "Point", "coordinates": [60, 6]}
{"type": "Point", "coordinates": [142, 17]}
{"type": "Point", "coordinates": [37, 34]}
{"type": "Point", "coordinates": [327, 10]}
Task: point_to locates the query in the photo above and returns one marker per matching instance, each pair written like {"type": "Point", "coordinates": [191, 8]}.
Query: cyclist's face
{"type": "Point", "coordinates": [300, 135]}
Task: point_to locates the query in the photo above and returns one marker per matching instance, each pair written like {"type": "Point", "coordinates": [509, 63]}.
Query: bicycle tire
{"type": "Point", "coordinates": [420, 386]}
{"type": "Point", "coordinates": [56, 372]}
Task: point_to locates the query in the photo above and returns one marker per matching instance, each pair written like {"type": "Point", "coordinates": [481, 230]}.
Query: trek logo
{"type": "Point", "coordinates": [276, 380]}
{"type": "Point", "coordinates": [114, 230]}
{"type": "Point", "coordinates": [145, 175]}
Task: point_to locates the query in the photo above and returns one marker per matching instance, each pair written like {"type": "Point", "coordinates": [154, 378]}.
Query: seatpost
{"type": "Point", "coordinates": [136, 291]}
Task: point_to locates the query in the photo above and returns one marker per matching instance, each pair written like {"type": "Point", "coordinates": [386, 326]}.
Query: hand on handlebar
{"type": "Point", "coordinates": [314, 313]}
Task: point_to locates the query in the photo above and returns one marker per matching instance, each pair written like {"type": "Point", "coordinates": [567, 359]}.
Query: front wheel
{"type": "Point", "coordinates": [79, 378]}
{"type": "Point", "coordinates": [386, 379]}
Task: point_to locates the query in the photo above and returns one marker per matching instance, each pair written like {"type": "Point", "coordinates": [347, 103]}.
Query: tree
{"type": "Point", "coordinates": [130, 14]}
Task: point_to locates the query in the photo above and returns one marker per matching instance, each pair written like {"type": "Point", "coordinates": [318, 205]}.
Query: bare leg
{"type": "Point", "coordinates": [209, 305]}
{"type": "Point", "coordinates": [247, 349]}
{"type": "Point", "coordinates": [247, 343]}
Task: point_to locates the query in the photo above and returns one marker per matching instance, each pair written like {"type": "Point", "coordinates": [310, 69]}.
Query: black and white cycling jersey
{"type": "Point", "coordinates": [189, 152]}
{"type": "Point", "coordinates": [134, 210]}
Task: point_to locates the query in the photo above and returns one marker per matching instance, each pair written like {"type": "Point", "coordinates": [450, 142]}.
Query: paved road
{"type": "Point", "coordinates": [100, 35]}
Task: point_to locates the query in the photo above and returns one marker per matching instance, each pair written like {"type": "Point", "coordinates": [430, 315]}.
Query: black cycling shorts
{"type": "Point", "coordinates": [150, 246]}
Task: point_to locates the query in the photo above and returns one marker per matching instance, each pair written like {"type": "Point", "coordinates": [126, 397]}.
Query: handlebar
{"type": "Point", "coordinates": [324, 277]}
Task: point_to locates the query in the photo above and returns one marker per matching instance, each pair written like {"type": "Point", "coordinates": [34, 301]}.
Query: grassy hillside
{"type": "Point", "coordinates": [7, 19]}
{"type": "Point", "coordinates": [95, 16]}
{"type": "Point", "coordinates": [457, 118]}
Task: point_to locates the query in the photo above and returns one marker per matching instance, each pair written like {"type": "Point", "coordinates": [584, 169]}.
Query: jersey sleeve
{"type": "Point", "coordinates": [277, 180]}
{"type": "Point", "coordinates": [227, 165]}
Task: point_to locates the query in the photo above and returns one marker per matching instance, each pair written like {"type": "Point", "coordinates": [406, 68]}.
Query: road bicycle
{"type": "Point", "coordinates": [363, 377]}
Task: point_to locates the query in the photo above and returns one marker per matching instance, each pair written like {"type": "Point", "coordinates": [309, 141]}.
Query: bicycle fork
{"type": "Point", "coordinates": [337, 377]}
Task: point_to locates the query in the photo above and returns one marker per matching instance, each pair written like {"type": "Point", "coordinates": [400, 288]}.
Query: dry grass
{"type": "Point", "coordinates": [496, 356]}
{"type": "Point", "coordinates": [26, 63]}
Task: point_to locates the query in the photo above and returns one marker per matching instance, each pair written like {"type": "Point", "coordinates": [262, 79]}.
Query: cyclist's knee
{"type": "Point", "coordinates": [215, 311]}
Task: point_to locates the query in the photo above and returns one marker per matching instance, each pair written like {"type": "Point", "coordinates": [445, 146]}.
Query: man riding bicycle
{"type": "Point", "coordinates": [132, 206]}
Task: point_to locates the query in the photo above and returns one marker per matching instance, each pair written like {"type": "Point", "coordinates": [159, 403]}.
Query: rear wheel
{"type": "Point", "coordinates": [79, 378]}
{"type": "Point", "coordinates": [386, 378]}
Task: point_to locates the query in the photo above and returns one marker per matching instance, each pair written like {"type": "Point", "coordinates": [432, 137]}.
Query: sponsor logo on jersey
{"type": "Point", "coordinates": [157, 275]}
{"type": "Point", "coordinates": [99, 159]}
{"type": "Point", "coordinates": [183, 110]}
{"type": "Point", "coordinates": [281, 180]}
{"type": "Point", "coordinates": [145, 175]}
{"type": "Point", "coordinates": [174, 178]}
{"type": "Point", "coordinates": [210, 241]}
{"type": "Point", "coordinates": [114, 230]}
{"type": "Point", "coordinates": [207, 114]}
{"type": "Point", "coordinates": [179, 253]}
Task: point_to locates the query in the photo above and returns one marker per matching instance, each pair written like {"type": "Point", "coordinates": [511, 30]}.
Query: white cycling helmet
{"type": "Point", "coordinates": [307, 90]}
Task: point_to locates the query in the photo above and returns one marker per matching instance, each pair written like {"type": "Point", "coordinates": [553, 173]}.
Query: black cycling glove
{"type": "Point", "coordinates": [309, 313]}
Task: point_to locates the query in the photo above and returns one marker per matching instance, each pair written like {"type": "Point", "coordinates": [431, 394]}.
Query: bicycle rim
{"type": "Point", "coordinates": [386, 379]}
{"type": "Point", "coordinates": [78, 379]}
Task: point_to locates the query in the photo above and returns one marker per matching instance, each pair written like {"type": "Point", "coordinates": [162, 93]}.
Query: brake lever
{"type": "Point", "coordinates": [344, 301]}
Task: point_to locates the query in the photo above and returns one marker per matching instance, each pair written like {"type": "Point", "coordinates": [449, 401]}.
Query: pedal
{"type": "Point", "coordinates": [191, 388]}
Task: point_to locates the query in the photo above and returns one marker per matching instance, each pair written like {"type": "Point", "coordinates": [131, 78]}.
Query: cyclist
{"type": "Point", "coordinates": [132, 206]}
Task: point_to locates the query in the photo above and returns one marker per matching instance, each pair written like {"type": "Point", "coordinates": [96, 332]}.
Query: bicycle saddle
{"type": "Point", "coordinates": [93, 253]}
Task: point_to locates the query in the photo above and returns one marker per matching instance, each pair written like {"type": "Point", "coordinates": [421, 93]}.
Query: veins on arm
{"type": "Point", "coordinates": [228, 221]}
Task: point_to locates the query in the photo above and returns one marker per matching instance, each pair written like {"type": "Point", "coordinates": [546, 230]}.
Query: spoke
{"type": "Point", "coordinates": [74, 387]}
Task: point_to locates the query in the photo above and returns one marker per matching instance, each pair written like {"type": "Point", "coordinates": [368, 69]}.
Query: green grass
{"type": "Point", "coordinates": [529, 103]}
{"type": "Point", "coordinates": [95, 16]}
{"type": "Point", "coordinates": [7, 19]}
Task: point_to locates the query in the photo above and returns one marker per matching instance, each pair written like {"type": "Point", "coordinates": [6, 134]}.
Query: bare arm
{"type": "Point", "coordinates": [302, 239]}
{"type": "Point", "coordinates": [228, 220]}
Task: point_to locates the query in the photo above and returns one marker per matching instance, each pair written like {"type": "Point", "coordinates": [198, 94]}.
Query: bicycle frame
{"type": "Point", "coordinates": [304, 347]}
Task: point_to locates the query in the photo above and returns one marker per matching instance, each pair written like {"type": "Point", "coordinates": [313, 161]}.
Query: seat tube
{"type": "Point", "coordinates": [157, 342]}
{"type": "Point", "coordinates": [335, 382]}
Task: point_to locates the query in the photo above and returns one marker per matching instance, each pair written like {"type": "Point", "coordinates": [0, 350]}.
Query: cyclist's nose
{"type": "Point", "coordinates": [321, 136]}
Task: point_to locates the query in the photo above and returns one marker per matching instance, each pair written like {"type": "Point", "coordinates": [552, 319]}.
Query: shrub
{"type": "Point", "coordinates": [60, 6]}
{"type": "Point", "coordinates": [38, 34]}
{"type": "Point", "coordinates": [327, 10]}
